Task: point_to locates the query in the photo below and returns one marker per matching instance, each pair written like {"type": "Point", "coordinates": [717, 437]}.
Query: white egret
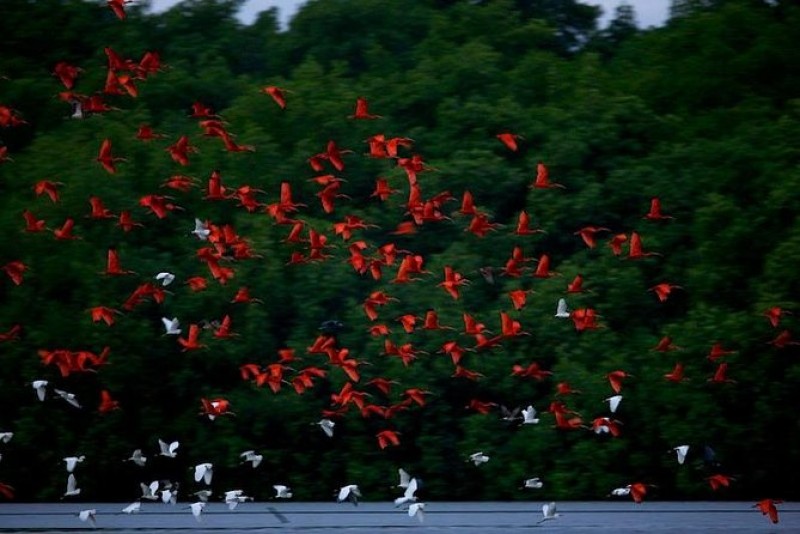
{"type": "Point", "coordinates": [561, 309]}
{"type": "Point", "coordinates": [478, 458]}
{"type": "Point", "coordinates": [681, 451]}
{"type": "Point", "coordinates": [168, 450]}
{"type": "Point", "coordinates": [203, 494]}
{"type": "Point", "coordinates": [72, 487]}
{"type": "Point", "coordinates": [165, 278]}
{"type": "Point", "coordinates": [252, 457]}
{"type": "Point", "coordinates": [149, 492]}
{"type": "Point", "coordinates": [405, 478]}
{"type": "Point", "coordinates": [172, 326]}
{"type": "Point", "coordinates": [201, 230]}
{"type": "Point", "coordinates": [417, 510]}
{"type": "Point", "coordinates": [73, 461]}
{"type": "Point", "coordinates": [549, 512]}
{"type": "Point", "coordinates": [351, 493]}
{"type": "Point", "coordinates": [5, 437]}
{"type": "Point", "coordinates": [282, 492]}
{"type": "Point", "coordinates": [204, 472]}
{"type": "Point", "coordinates": [138, 458]}
{"type": "Point", "coordinates": [327, 426]}
{"type": "Point", "coordinates": [197, 510]}
{"type": "Point", "coordinates": [408, 496]}
{"type": "Point", "coordinates": [529, 416]}
{"type": "Point", "coordinates": [132, 508]}
{"type": "Point", "coordinates": [533, 483]}
{"type": "Point", "coordinates": [40, 386]}
{"type": "Point", "coordinates": [234, 497]}
{"type": "Point", "coordinates": [88, 516]}
{"type": "Point", "coordinates": [67, 396]}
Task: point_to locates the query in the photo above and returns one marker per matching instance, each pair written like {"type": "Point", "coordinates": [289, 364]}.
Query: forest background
{"type": "Point", "coordinates": [702, 113]}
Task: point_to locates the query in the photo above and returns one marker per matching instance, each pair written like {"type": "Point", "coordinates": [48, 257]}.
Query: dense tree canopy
{"type": "Point", "coordinates": [702, 115]}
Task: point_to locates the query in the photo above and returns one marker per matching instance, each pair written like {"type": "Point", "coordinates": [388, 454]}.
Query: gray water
{"type": "Point", "coordinates": [384, 518]}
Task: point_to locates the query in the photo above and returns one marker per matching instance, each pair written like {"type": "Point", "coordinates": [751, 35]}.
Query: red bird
{"type": "Point", "coordinates": [65, 232]}
{"type": "Point", "coordinates": [107, 403]}
{"type": "Point", "coordinates": [663, 290]}
{"type": "Point", "coordinates": [767, 507]}
{"type": "Point", "coordinates": [452, 282]}
{"type": "Point", "coordinates": [99, 211]}
{"type": "Point", "coordinates": [118, 7]}
{"type": "Point", "coordinates": [576, 286]}
{"type": "Point", "coordinates": [676, 375]}
{"type": "Point", "coordinates": [387, 437]}
{"type": "Point", "coordinates": [616, 243]}
{"type": "Point", "coordinates": [46, 187]}
{"type": "Point", "coordinates": [774, 314]}
{"type": "Point", "coordinates": [721, 375]}
{"type": "Point", "coordinates": [191, 343]}
{"type": "Point", "coordinates": [588, 233]}
{"type": "Point", "coordinates": [635, 252]}
{"type": "Point", "coordinates": [180, 150]}
{"type": "Point", "coordinates": [510, 140]}
{"type": "Point", "coordinates": [278, 94]}
{"type": "Point", "coordinates": [106, 158]}
{"type": "Point", "coordinates": [146, 133]}
{"type": "Point", "coordinates": [665, 345]}
{"type": "Point", "coordinates": [32, 224]}
{"type": "Point", "coordinates": [112, 264]}
{"type": "Point", "coordinates": [67, 73]}
{"type": "Point", "coordinates": [718, 481]}
{"type": "Point", "coordinates": [15, 270]}
{"type": "Point", "coordinates": [362, 110]}
{"type": "Point", "coordinates": [615, 379]}
{"type": "Point", "coordinates": [12, 334]}
{"type": "Point", "coordinates": [103, 313]}
{"type": "Point", "coordinates": [718, 352]}
{"type": "Point", "coordinates": [655, 211]}
{"type": "Point", "coordinates": [543, 268]}
{"type": "Point", "coordinates": [126, 222]}
{"type": "Point", "coordinates": [523, 225]}
{"type": "Point", "coordinates": [543, 180]}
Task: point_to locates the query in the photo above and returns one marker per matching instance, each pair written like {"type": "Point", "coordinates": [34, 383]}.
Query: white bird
{"type": "Point", "coordinates": [169, 495]}
{"type": "Point", "coordinates": [349, 493]}
{"type": "Point", "coordinates": [67, 396]}
{"type": "Point", "coordinates": [88, 516]}
{"type": "Point", "coordinates": [417, 509]}
{"type": "Point", "coordinates": [478, 458]}
{"type": "Point", "coordinates": [203, 494]}
{"type": "Point", "coordinates": [681, 451]}
{"type": "Point", "coordinates": [73, 461]}
{"type": "Point", "coordinates": [77, 110]}
{"type": "Point", "coordinates": [561, 309]}
{"type": "Point", "coordinates": [405, 478]}
{"type": "Point", "coordinates": [5, 437]}
{"type": "Point", "coordinates": [168, 450]}
{"type": "Point", "coordinates": [138, 458]}
{"type": "Point", "coordinates": [252, 457]}
{"type": "Point", "coordinates": [201, 230]}
{"type": "Point", "coordinates": [132, 508]}
{"type": "Point", "coordinates": [529, 416]}
{"type": "Point", "coordinates": [549, 512]}
{"type": "Point", "coordinates": [40, 386]}
{"type": "Point", "coordinates": [171, 326]}
{"type": "Point", "coordinates": [204, 472]}
{"type": "Point", "coordinates": [165, 278]}
{"type": "Point", "coordinates": [72, 487]}
{"type": "Point", "coordinates": [533, 483]}
{"type": "Point", "coordinates": [621, 492]}
{"type": "Point", "coordinates": [234, 497]}
{"type": "Point", "coordinates": [282, 492]}
{"type": "Point", "coordinates": [408, 496]}
{"type": "Point", "coordinates": [327, 426]}
{"type": "Point", "coordinates": [149, 492]}
{"type": "Point", "coordinates": [613, 402]}
{"type": "Point", "coordinates": [197, 510]}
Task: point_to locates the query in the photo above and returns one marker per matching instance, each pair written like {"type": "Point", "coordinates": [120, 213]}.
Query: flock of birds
{"type": "Point", "coordinates": [221, 248]}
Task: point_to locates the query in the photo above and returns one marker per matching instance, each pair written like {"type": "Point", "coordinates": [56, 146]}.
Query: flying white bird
{"type": "Point", "coordinates": [234, 497]}
{"type": "Point", "coordinates": [408, 496]}
{"type": "Point", "coordinates": [165, 278]}
{"type": "Point", "coordinates": [621, 492]}
{"type": "Point", "coordinates": [73, 461]}
{"type": "Point", "coordinates": [88, 516]}
{"type": "Point", "coordinates": [168, 450]}
{"type": "Point", "coordinates": [67, 396]}
{"type": "Point", "coordinates": [405, 478]}
{"type": "Point", "coordinates": [138, 458]}
{"type": "Point", "coordinates": [204, 472]}
{"type": "Point", "coordinates": [169, 495]}
{"type": "Point", "coordinates": [681, 451]}
{"type": "Point", "coordinates": [613, 402]}
{"type": "Point", "coordinates": [149, 492]}
{"type": "Point", "coordinates": [171, 326]}
{"type": "Point", "coordinates": [478, 458]}
{"type": "Point", "coordinates": [417, 510]}
{"type": "Point", "coordinates": [40, 386]}
{"type": "Point", "coordinates": [549, 512]}
{"type": "Point", "coordinates": [201, 230]}
{"type": "Point", "coordinates": [533, 483]}
{"type": "Point", "coordinates": [132, 508]}
{"type": "Point", "coordinates": [197, 510]}
{"type": "Point", "coordinates": [252, 457]}
{"type": "Point", "coordinates": [5, 437]}
{"type": "Point", "coordinates": [529, 416]}
{"type": "Point", "coordinates": [349, 493]}
{"type": "Point", "coordinates": [282, 492]}
{"type": "Point", "coordinates": [327, 426]}
{"type": "Point", "coordinates": [561, 309]}
{"type": "Point", "coordinates": [72, 487]}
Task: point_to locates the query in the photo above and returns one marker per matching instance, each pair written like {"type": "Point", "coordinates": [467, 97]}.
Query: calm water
{"type": "Point", "coordinates": [444, 517]}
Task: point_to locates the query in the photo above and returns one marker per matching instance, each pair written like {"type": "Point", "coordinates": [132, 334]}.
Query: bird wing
{"type": "Point", "coordinates": [405, 478]}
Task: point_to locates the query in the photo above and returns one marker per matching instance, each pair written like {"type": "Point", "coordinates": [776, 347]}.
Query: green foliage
{"type": "Point", "coordinates": [702, 114]}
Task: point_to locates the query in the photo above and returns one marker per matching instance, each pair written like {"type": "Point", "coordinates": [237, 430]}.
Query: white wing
{"type": "Point", "coordinates": [613, 402]}
{"type": "Point", "coordinates": [405, 478]}
{"type": "Point", "coordinates": [197, 509]}
{"type": "Point", "coordinates": [172, 326]}
{"type": "Point", "coordinates": [41, 388]}
{"type": "Point", "coordinates": [165, 278]}
{"type": "Point", "coordinates": [561, 309]}
{"type": "Point", "coordinates": [529, 416]}
{"type": "Point", "coordinates": [88, 515]}
{"type": "Point", "coordinates": [681, 451]}
{"type": "Point", "coordinates": [418, 510]}
{"type": "Point", "coordinates": [132, 508]}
